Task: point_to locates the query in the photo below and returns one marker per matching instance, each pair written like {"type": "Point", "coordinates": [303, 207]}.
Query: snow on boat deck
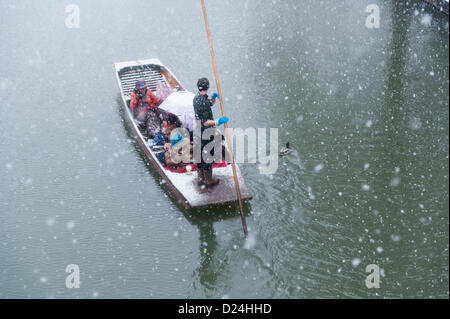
{"type": "Point", "coordinates": [222, 193]}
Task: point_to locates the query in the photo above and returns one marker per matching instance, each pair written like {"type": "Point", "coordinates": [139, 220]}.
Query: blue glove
{"type": "Point", "coordinates": [222, 119]}
{"type": "Point", "coordinates": [214, 95]}
{"type": "Point", "coordinates": [176, 137]}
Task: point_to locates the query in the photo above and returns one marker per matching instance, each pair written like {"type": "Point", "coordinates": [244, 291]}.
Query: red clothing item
{"type": "Point", "coordinates": [182, 169]}
{"type": "Point", "coordinates": [150, 99]}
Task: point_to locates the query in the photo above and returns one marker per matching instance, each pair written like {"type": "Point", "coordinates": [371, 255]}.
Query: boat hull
{"type": "Point", "coordinates": [183, 185]}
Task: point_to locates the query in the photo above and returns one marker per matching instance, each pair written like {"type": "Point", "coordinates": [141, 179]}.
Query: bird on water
{"type": "Point", "coordinates": [285, 150]}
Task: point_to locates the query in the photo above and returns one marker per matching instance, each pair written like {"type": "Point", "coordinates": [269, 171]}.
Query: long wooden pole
{"type": "Point", "coordinates": [233, 165]}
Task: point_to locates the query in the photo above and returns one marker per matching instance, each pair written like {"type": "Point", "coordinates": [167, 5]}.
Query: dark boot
{"type": "Point", "coordinates": [209, 181]}
{"type": "Point", "coordinates": [200, 176]}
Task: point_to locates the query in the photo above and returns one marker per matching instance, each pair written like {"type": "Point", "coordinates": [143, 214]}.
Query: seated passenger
{"type": "Point", "coordinates": [173, 137]}
{"type": "Point", "coordinates": [142, 102]}
{"type": "Point", "coordinates": [154, 123]}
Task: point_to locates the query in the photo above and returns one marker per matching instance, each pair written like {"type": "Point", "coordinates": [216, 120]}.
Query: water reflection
{"type": "Point", "coordinates": [401, 20]}
{"type": "Point", "coordinates": [209, 268]}
{"type": "Point", "coordinates": [391, 113]}
{"type": "Point", "coordinates": [206, 273]}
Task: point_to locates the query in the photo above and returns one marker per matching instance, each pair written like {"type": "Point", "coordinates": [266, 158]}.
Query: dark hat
{"type": "Point", "coordinates": [203, 84]}
{"type": "Point", "coordinates": [140, 84]}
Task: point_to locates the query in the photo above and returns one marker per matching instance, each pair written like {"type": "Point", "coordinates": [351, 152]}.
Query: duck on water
{"type": "Point", "coordinates": [285, 150]}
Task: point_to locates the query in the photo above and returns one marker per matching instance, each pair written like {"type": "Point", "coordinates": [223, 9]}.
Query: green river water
{"type": "Point", "coordinates": [365, 110]}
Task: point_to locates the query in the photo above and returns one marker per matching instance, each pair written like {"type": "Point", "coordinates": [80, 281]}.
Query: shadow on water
{"type": "Point", "coordinates": [203, 218]}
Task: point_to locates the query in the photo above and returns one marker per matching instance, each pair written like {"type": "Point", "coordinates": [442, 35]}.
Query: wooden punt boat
{"type": "Point", "coordinates": [184, 185]}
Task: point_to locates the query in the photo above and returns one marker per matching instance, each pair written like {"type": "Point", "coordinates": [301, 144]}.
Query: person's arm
{"type": "Point", "coordinates": [133, 101]}
{"type": "Point", "coordinates": [219, 121]}
{"type": "Point", "coordinates": [151, 98]}
{"type": "Point", "coordinates": [209, 123]}
{"type": "Point", "coordinates": [213, 97]}
{"type": "Point", "coordinates": [201, 108]}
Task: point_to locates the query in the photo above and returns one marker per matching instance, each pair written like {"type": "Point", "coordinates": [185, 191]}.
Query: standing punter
{"type": "Point", "coordinates": [203, 112]}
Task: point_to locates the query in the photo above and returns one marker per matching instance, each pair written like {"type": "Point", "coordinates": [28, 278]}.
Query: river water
{"type": "Point", "coordinates": [365, 110]}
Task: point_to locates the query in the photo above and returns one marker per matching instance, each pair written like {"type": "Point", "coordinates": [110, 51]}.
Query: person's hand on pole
{"type": "Point", "coordinates": [221, 120]}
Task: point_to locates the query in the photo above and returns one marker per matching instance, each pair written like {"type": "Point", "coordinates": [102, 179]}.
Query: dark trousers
{"type": "Point", "coordinates": [203, 165]}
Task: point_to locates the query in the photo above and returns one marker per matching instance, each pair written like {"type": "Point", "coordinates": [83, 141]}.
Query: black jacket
{"type": "Point", "coordinates": [202, 108]}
